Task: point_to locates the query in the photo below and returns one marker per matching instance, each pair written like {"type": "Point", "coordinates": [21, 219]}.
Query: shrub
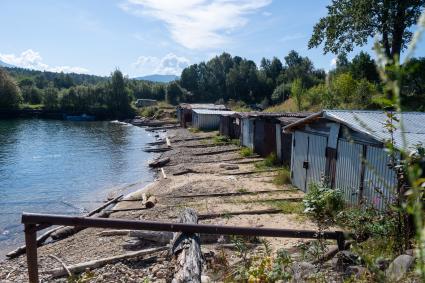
{"type": "Point", "coordinates": [366, 222]}
{"type": "Point", "coordinates": [269, 161]}
{"type": "Point", "coordinates": [283, 177]}
{"type": "Point", "coordinates": [322, 204]}
{"type": "Point", "coordinates": [246, 152]}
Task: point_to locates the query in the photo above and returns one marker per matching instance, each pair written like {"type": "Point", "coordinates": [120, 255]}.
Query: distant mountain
{"type": "Point", "coordinates": [158, 78]}
{"type": "Point", "coordinates": [3, 64]}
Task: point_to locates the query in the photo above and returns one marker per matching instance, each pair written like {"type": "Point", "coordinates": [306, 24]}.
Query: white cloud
{"type": "Point", "coordinates": [170, 64]}
{"type": "Point", "coordinates": [198, 24]}
{"type": "Point", "coordinates": [266, 14]}
{"type": "Point", "coordinates": [333, 62]}
{"type": "Point", "coordinates": [292, 37]}
{"type": "Point", "coordinates": [31, 59]}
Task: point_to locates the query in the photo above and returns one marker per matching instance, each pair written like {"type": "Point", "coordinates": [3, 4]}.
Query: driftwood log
{"type": "Point", "coordinates": [81, 267]}
{"type": "Point", "coordinates": [231, 194]}
{"type": "Point", "coordinates": [42, 238]}
{"type": "Point", "coordinates": [216, 152]}
{"type": "Point", "coordinates": [186, 250]}
{"type": "Point", "coordinates": [159, 162]}
{"type": "Point", "coordinates": [67, 231]}
{"type": "Point", "coordinates": [150, 202]}
{"type": "Point", "coordinates": [234, 213]}
{"type": "Point", "coordinates": [161, 149]}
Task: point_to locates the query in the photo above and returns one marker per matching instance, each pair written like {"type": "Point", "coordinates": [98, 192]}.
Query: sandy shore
{"type": "Point", "coordinates": [206, 177]}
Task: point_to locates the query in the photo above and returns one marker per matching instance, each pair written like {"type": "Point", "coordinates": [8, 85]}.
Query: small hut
{"type": "Point", "coordinates": [205, 119]}
{"type": "Point", "coordinates": [184, 111]}
{"type": "Point", "coordinates": [347, 147]}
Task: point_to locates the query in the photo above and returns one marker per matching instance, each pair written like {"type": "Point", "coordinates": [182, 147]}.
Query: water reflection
{"type": "Point", "coordinates": [52, 166]}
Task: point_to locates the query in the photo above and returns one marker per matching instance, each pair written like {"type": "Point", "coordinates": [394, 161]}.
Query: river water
{"type": "Point", "coordinates": [64, 167]}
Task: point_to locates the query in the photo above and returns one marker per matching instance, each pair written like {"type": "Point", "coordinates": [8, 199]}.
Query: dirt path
{"type": "Point", "coordinates": [203, 158]}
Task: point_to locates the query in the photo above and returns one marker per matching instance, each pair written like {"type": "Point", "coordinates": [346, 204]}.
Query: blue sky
{"type": "Point", "coordinates": [143, 37]}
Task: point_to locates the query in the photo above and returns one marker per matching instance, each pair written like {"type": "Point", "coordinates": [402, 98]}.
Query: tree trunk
{"type": "Point", "coordinates": [186, 249]}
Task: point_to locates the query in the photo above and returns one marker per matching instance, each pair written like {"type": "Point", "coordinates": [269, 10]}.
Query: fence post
{"type": "Point", "coordinates": [31, 250]}
{"type": "Point", "coordinates": [340, 239]}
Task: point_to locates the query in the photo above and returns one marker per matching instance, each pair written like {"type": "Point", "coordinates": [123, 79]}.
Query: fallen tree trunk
{"type": "Point", "coordinates": [81, 267]}
{"type": "Point", "coordinates": [42, 238]}
{"type": "Point", "coordinates": [331, 253]}
{"type": "Point", "coordinates": [250, 172]}
{"type": "Point", "coordinates": [161, 149]}
{"type": "Point", "coordinates": [159, 162]}
{"type": "Point", "coordinates": [166, 237]}
{"type": "Point", "coordinates": [67, 231]}
{"type": "Point", "coordinates": [215, 152]}
{"type": "Point", "coordinates": [161, 142]}
{"type": "Point", "coordinates": [246, 212]}
{"type": "Point", "coordinates": [186, 250]}
{"type": "Point", "coordinates": [229, 194]}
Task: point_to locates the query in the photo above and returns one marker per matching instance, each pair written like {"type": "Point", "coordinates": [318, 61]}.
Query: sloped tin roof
{"type": "Point", "coordinates": [372, 123]}
{"type": "Point", "coordinates": [212, 112]}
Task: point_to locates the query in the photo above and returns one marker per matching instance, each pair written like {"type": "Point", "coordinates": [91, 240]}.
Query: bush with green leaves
{"type": "Point", "coordinates": [365, 222]}
{"type": "Point", "coordinates": [322, 204]}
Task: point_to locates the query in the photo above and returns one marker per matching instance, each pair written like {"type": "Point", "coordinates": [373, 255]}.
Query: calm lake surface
{"type": "Point", "coordinates": [65, 167]}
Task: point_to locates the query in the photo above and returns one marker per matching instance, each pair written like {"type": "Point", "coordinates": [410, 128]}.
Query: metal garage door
{"type": "Point", "coordinates": [308, 159]}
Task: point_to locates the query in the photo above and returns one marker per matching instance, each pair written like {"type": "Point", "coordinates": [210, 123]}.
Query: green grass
{"type": "Point", "coordinates": [223, 140]}
{"type": "Point", "coordinates": [287, 207]}
{"type": "Point", "coordinates": [193, 130]}
{"type": "Point", "coordinates": [269, 162]}
{"type": "Point", "coordinates": [283, 177]}
{"type": "Point", "coordinates": [32, 106]}
{"type": "Point", "coordinates": [246, 152]}
{"type": "Point", "coordinates": [150, 111]}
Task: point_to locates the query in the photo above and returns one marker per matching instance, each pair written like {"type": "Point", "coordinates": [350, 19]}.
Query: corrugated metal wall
{"type": "Point", "coordinates": [348, 170]}
{"type": "Point", "coordinates": [299, 173]}
{"type": "Point", "coordinates": [279, 142]}
{"type": "Point", "coordinates": [380, 181]}
{"type": "Point", "coordinates": [247, 134]}
{"type": "Point", "coordinates": [316, 158]}
{"type": "Point", "coordinates": [206, 121]}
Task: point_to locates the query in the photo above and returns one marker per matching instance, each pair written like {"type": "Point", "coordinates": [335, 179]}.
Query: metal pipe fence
{"type": "Point", "coordinates": [34, 222]}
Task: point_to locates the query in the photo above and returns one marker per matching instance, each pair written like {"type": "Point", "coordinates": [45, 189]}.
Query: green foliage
{"type": "Point", "coordinates": [51, 98]}
{"type": "Point", "coordinates": [246, 152]}
{"type": "Point", "coordinates": [297, 92]}
{"type": "Point", "coordinates": [281, 93]}
{"type": "Point", "coordinates": [365, 222]}
{"type": "Point", "coordinates": [352, 23]}
{"type": "Point", "coordinates": [150, 111]}
{"type": "Point", "coordinates": [288, 207]}
{"type": "Point", "coordinates": [268, 162]}
{"type": "Point", "coordinates": [10, 95]}
{"type": "Point", "coordinates": [283, 177]}
{"type": "Point", "coordinates": [261, 267]}
{"type": "Point", "coordinates": [322, 204]}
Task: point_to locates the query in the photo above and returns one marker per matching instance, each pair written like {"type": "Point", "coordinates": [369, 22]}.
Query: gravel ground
{"type": "Point", "coordinates": [207, 177]}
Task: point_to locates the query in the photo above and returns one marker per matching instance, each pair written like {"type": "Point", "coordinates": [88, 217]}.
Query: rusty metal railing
{"type": "Point", "coordinates": [35, 222]}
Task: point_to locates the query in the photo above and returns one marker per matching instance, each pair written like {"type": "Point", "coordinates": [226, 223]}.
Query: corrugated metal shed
{"type": "Point", "coordinates": [371, 123]}
{"type": "Point", "coordinates": [351, 152]}
{"type": "Point", "coordinates": [184, 111]}
{"type": "Point", "coordinates": [205, 119]}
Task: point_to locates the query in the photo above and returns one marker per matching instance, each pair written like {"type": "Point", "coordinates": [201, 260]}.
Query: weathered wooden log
{"type": "Point", "coordinates": [161, 149]}
{"type": "Point", "coordinates": [184, 171]}
{"type": "Point", "coordinates": [150, 202]}
{"type": "Point", "coordinates": [186, 250]}
{"type": "Point", "coordinates": [166, 237]}
{"type": "Point", "coordinates": [167, 140]}
{"type": "Point", "coordinates": [216, 152]}
{"type": "Point", "coordinates": [234, 213]}
{"type": "Point", "coordinates": [160, 142]}
{"type": "Point", "coordinates": [42, 238]}
{"type": "Point", "coordinates": [111, 233]}
{"type": "Point", "coordinates": [67, 231]}
{"type": "Point", "coordinates": [230, 194]}
{"type": "Point", "coordinates": [159, 162]}
{"type": "Point", "coordinates": [81, 267]}
{"type": "Point", "coordinates": [163, 173]}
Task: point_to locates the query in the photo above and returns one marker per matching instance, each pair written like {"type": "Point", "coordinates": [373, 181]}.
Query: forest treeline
{"type": "Point", "coordinates": [351, 84]}
{"type": "Point", "coordinates": [74, 93]}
